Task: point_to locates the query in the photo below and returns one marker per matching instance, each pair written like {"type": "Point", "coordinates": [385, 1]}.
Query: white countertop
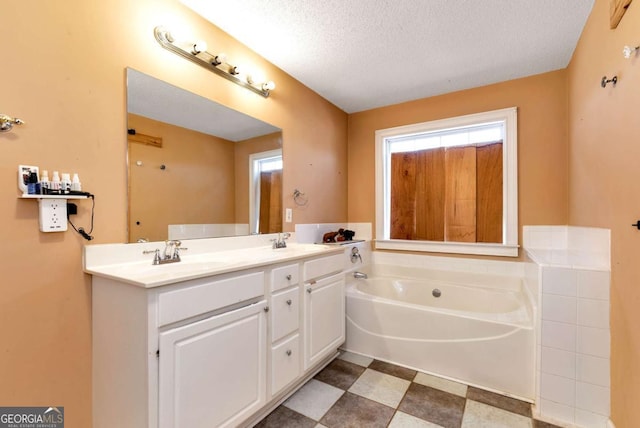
{"type": "Point", "coordinates": [122, 262]}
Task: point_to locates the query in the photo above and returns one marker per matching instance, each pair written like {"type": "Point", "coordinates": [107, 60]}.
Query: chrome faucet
{"type": "Point", "coordinates": [171, 253]}
{"type": "Point", "coordinates": [281, 241]}
{"type": "Point", "coordinates": [360, 275]}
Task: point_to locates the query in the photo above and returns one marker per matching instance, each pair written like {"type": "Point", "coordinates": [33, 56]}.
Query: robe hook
{"type": "Point", "coordinates": [604, 81]}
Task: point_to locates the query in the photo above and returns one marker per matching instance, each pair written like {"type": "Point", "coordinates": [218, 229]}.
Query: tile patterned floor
{"type": "Point", "coordinates": [356, 391]}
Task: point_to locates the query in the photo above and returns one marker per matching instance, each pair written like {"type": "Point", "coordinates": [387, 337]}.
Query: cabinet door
{"type": "Point", "coordinates": [213, 372]}
{"type": "Point", "coordinates": [324, 318]}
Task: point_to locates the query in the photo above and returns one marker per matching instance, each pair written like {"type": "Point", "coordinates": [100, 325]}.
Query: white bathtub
{"type": "Point", "coordinates": [479, 331]}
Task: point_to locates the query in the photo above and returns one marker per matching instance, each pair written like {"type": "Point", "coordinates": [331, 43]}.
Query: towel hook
{"type": "Point", "coordinates": [604, 81]}
{"type": "Point", "coordinates": [7, 122]}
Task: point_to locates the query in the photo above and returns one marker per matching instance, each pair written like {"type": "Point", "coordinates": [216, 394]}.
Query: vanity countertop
{"type": "Point", "coordinates": [143, 273]}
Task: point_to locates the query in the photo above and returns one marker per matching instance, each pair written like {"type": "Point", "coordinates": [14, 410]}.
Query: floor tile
{"type": "Point", "coordinates": [542, 424]}
{"type": "Point", "coordinates": [393, 370]}
{"type": "Point", "coordinates": [320, 426]}
{"type": "Point", "coordinates": [354, 411]}
{"type": "Point", "coordinates": [479, 415]}
{"type": "Point", "coordinates": [433, 405]}
{"type": "Point", "coordinates": [314, 399]}
{"type": "Point", "coordinates": [403, 420]}
{"type": "Point", "coordinates": [441, 384]}
{"type": "Point", "coordinates": [380, 387]}
{"type": "Point", "coordinates": [358, 359]}
{"type": "Point", "coordinates": [497, 400]}
{"type": "Point", "coordinates": [341, 374]}
{"type": "Point", "coordinates": [283, 417]}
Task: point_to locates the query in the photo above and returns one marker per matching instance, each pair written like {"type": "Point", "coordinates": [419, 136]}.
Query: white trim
{"type": "Point", "coordinates": [475, 248]}
{"type": "Point", "coordinates": [509, 246]}
{"type": "Point", "coordinates": [254, 186]}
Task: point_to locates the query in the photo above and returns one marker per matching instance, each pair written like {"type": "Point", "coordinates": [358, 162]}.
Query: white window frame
{"type": "Point", "coordinates": [254, 185]}
{"type": "Point", "coordinates": [509, 245]}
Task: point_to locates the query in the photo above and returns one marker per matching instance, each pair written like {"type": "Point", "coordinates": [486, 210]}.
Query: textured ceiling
{"type": "Point", "coordinates": [362, 54]}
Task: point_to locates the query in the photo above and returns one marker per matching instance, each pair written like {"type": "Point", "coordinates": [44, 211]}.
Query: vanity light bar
{"type": "Point", "coordinates": [197, 53]}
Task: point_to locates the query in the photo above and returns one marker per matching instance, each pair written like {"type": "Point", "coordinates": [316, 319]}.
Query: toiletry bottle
{"type": "Point", "coordinates": [44, 182]}
{"type": "Point", "coordinates": [55, 183]}
{"type": "Point", "coordinates": [65, 183]}
{"type": "Point", "coordinates": [75, 183]}
{"type": "Point", "coordinates": [32, 185]}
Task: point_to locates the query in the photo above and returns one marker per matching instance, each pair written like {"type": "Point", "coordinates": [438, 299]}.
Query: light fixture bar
{"type": "Point", "coordinates": [163, 36]}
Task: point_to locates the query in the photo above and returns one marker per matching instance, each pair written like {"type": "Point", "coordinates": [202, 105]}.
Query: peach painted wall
{"type": "Point", "coordinates": [242, 151]}
{"type": "Point", "coordinates": [604, 154]}
{"type": "Point", "coordinates": [197, 185]}
{"type": "Point", "coordinates": [542, 142]}
{"type": "Point", "coordinates": [63, 71]}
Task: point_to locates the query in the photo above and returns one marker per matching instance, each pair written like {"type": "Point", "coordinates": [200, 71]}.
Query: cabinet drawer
{"type": "Point", "coordinates": [285, 313]}
{"type": "Point", "coordinates": [210, 295]}
{"type": "Point", "coordinates": [285, 363]}
{"type": "Point", "coordinates": [284, 277]}
{"type": "Point", "coordinates": [323, 266]}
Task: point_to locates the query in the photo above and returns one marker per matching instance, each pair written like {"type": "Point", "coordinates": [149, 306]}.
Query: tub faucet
{"type": "Point", "coordinates": [360, 275]}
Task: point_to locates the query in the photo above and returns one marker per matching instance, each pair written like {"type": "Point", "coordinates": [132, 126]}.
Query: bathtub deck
{"type": "Point", "coordinates": [361, 392]}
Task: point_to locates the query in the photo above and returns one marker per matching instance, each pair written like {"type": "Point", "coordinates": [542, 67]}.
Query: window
{"type": "Point", "coordinates": [449, 185]}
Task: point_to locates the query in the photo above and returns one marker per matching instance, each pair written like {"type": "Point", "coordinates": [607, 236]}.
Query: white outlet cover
{"type": "Point", "coordinates": [53, 215]}
{"type": "Point", "coordinates": [288, 216]}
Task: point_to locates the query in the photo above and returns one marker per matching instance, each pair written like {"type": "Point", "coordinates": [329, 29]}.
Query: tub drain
{"type": "Point", "coordinates": [436, 292]}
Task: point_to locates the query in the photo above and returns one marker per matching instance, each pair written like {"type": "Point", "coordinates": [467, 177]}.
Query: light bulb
{"type": "Point", "coordinates": [627, 51]}
{"type": "Point", "coordinates": [235, 70]}
{"type": "Point", "coordinates": [199, 46]}
{"type": "Point", "coordinates": [255, 77]}
{"type": "Point", "coordinates": [219, 59]}
{"type": "Point", "coordinates": [268, 86]}
{"type": "Point", "coordinates": [164, 35]}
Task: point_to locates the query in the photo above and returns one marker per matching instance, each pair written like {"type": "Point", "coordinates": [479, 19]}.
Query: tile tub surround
{"type": "Point", "coordinates": [570, 266]}
{"type": "Point", "coordinates": [357, 391]}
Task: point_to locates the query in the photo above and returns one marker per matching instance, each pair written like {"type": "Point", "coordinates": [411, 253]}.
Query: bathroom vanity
{"type": "Point", "coordinates": [218, 339]}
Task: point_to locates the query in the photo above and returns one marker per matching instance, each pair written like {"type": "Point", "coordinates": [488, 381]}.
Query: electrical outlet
{"type": "Point", "coordinates": [288, 215]}
{"type": "Point", "coordinates": [53, 215]}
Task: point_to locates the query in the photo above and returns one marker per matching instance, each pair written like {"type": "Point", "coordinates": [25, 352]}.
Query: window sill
{"type": "Point", "coordinates": [448, 247]}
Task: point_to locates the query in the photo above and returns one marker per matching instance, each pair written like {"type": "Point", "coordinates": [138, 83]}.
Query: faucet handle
{"type": "Point", "coordinates": [156, 258]}
{"type": "Point", "coordinates": [176, 252]}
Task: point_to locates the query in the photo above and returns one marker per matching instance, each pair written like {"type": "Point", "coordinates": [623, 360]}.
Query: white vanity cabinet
{"type": "Point", "coordinates": [187, 354]}
{"type": "Point", "coordinates": [213, 371]}
{"type": "Point", "coordinates": [216, 351]}
{"type": "Point", "coordinates": [324, 308]}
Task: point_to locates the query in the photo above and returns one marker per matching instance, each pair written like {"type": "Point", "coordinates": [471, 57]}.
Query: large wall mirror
{"type": "Point", "coordinates": [197, 169]}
